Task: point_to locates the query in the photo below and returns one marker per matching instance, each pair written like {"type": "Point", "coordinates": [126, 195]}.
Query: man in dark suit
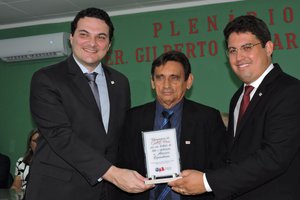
{"type": "Point", "coordinates": [4, 171]}
{"type": "Point", "coordinates": [79, 128]}
{"type": "Point", "coordinates": [263, 159]}
{"type": "Point", "coordinates": [200, 130]}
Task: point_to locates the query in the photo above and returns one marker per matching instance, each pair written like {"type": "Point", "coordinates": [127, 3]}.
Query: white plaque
{"type": "Point", "coordinates": [162, 156]}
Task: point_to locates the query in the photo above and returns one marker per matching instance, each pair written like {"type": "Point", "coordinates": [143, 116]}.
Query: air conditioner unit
{"type": "Point", "coordinates": [35, 47]}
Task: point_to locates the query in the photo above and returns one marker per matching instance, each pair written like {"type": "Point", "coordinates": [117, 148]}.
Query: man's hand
{"type": "Point", "coordinates": [191, 183]}
{"type": "Point", "coordinates": [127, 180]}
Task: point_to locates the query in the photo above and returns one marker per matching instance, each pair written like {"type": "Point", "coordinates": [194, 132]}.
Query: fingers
{"type": "Point", "coordinates": [182, 191]}
{"type": "Point", "coordinates": [138, 176]}
{"type": "Point", "coordinates": [128, 180]}
{"type": "Point", "coordinates": [132, 182]}
{"type": "Point", "coordinates": [191, 183]}
{"type": "Point", "coordinates": [187, 172]}
{"type": "Point", "coordinates": [176, 183]}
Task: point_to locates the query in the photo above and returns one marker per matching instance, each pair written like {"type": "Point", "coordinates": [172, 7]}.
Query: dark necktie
{"type": "Point", "coordinates": [162, 191]}
{"type": "Point", "coordinates": [91, 77]}
{"type": "Point", "coordinates": [245, 101]}
{"type": "Point", "coordinates": [166, 119]}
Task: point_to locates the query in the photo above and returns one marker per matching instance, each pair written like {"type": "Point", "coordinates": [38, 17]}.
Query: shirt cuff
{"type": "Point", "coordinates": [100, 179]}
{"type": "Point", "coordinates": [206, 185]}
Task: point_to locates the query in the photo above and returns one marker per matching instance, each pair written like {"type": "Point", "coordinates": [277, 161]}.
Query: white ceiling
{"type": "Point", "coordinates": [15, 13]}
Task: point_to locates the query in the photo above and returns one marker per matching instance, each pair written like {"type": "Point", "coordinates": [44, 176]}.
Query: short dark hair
{"type": "Point", "coordinates": [248, 23]}
{"type": "Point", "coordinates": [172, 56]}
{"type": "Point", "coordinates": [95, 13]}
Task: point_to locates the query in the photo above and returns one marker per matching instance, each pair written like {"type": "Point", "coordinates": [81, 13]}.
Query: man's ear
{"type": "Point", "coordinates": [71, 39]}
{"type": "Point", "coordinates": [152, 83]}
{"type": "Point", "coordinates": [269, 48]}
{"type": "Point", "coordinates": [189, 81]}
{"type": "Point", "coordinates": [108, 46]}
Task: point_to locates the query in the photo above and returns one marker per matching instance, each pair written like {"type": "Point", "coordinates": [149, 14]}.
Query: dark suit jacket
{"type": "Point", "coordinates": [201, 125]}
{"type": "Point", "coordinates": [264, 156]}
{"type": "Point", "coordinates": [4, 171]}
{"type": "Point", "coordinates": [74, 150]}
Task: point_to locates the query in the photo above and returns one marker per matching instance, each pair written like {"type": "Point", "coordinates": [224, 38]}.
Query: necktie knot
{"type": "Point", "coordinates": [91, 76]}
{"type": "Point", "coordinates": [167, 114]}
{"type": "Point", "coordinates": [248, 90]}
{"type": "Point", "coordinates": [245, 101]}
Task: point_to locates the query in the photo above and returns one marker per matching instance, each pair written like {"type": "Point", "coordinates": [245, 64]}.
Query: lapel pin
{"type": "Point", "coordinates": [260, 94]}
{"type": "Point", "coordinates": [112, 82]}
{"type": "Point", "coordinates": [187, 142]}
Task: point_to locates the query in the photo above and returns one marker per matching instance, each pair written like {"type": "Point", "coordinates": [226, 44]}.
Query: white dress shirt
{"type": "Point", "coordinates": [255, 84]}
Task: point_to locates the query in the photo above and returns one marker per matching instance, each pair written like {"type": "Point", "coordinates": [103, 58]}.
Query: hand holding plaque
{"type": "Point", "coordinates": [162, 156]}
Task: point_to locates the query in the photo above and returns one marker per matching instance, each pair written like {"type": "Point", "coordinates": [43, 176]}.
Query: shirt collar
{"type": "Point", "coordinates": [84, 70]}
{"type": "Point", "coordinates": [176, 108]}
{"type": "Point", "coordinates": [256, 83]}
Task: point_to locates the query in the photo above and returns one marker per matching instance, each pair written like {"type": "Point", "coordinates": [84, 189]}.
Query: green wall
{"type": "Point", "coordinates": [197, 31]}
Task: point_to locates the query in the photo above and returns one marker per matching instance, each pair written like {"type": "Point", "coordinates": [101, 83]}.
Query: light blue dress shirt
{"type": "Point", "coordinates": [103, 92]}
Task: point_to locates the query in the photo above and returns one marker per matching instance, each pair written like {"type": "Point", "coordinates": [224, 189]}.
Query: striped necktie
{"type": "Point", "coordinates": [162, 191]}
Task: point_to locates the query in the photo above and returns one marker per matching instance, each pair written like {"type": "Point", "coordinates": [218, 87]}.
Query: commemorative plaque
{"type": "Point", "coordinates": [162, 156]}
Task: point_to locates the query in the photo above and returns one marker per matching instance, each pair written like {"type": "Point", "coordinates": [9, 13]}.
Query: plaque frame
{"type": "Point", "coordinates": [161, 156]}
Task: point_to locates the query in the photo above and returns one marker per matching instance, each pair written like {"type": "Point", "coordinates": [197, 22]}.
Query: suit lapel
{"type": "Point", "coordinates": [79, 80]}
{"type": "Point", "coordinates": [187, 119]}
{"type": "Point", "coordinates": [81, 85]}
{"type": "Point", "coordinates": [261, 90]}
{"type": "Point", "coordinates": [187, 128]}
{"type": "Point", "coordinates": [232, 106]}
{"type": "Point", "coordinates": [255, 99]}
{"type": "Point", "coordinates": [148, 117]}
{"type": "Point", "coordinates": [111, 96]}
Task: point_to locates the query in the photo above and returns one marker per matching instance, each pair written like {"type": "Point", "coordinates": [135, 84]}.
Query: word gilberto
{"type": "Point", "coordinates": [198, 49]}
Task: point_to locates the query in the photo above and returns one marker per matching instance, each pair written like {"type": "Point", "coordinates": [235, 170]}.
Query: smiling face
{"type": "Point", "coordinates": [169, 84]}
{"type": "Point", "coordinates": [249, 65]}
{"type": "Point", "coordinates": [90, 41]}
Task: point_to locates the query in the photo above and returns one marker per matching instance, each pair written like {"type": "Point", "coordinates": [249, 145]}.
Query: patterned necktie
{"type": "Point", "coordinates": [91, 77]}
{"type": "Point", "coordinates": [166, 120]}
{"type": "Point", "coordinates": [162, 191]}
{"type": "Point", "coordinates": [245, 101]}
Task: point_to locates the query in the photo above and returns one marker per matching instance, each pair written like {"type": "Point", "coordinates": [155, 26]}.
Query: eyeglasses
{"type": "Point", "coordinates": [246, 48]}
